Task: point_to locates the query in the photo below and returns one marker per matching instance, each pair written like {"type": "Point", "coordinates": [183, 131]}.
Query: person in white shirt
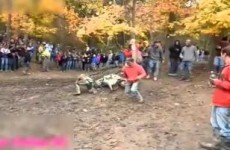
{"type": "Point", "coordinates": [110, 58]}
{"type": "Point", "coordinates": [30, 48]}
{"type": "Point", "coordinates": [4, 61]}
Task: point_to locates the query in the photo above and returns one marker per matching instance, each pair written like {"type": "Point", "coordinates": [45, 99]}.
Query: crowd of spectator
{"type": "Point", "coordinates": [90, 59]}
{"type": "Point", "coordinates": [14, 56]}
{"type": "Point", "coordinates": [20, 53]}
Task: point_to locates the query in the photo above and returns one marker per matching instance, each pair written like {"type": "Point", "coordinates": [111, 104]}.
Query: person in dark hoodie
{"type": "Point", "coordinates": [174, 56]}
{"type": "Point", "coordinates": [104, 59]}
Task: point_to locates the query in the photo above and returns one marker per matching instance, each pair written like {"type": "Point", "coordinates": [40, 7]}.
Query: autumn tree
{"type": "Point", "coordinates": [36, 18]}
{"type": "Point", "coordinates": [210, 18]}
{"type": "Point", "coordinates": [156, 16]}
{"type": "Point", "coordinates": [106, 25]}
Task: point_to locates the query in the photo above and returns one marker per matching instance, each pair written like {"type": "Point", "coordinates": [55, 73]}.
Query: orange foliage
{"type": "Point", "coordinates": [72, 19]}
{"type": "Point", "coordinates": [154, 15]}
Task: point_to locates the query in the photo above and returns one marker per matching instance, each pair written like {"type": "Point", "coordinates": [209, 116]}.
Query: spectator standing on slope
{"type": "Point", "coordinates": [188, 56]}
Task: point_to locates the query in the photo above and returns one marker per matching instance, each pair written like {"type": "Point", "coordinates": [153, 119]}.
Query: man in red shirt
{"type": "Point", "coordinates": [133, 73]}
{"type": "Point", "coordinates": [220, 117]}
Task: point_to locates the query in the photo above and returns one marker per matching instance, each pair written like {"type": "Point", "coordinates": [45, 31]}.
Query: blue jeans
{"type": "Point", "coordinates": [154, 67]}
{"type": "Point", "coordinates": [4, 63]}
{"type": "Point", "coordinates": [10, 64]}
{"type": "Point", "coordinates": [220, 120]}
{"type": "Point", "coordinates": [69, 64]}
{"type": "Point", "coordinates": [74, 65]}
{"type": "Point", "coordinates": [218, 64]}
{"type": "Point", "coordinates": [186, 68]}
{"type": "Point", "coordinates": [14, 64]}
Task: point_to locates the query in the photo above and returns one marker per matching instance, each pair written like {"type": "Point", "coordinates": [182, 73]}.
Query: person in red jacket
{"type": "Point", "coordinates": [133, 73]}
{"type": "Point", "coordinates": [128, 52]}
{"type": "Point", "coordinates": [220, 116]}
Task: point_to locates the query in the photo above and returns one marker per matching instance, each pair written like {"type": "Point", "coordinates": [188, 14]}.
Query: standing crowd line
{"type": "Point", "coordinates": [20, 54]}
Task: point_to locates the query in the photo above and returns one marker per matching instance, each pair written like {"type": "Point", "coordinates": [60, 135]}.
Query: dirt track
{"type": "Point", "coordinates": [175, 115]}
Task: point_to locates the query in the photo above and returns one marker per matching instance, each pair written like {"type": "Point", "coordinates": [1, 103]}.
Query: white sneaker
{"type": "Point", "coordinates": [155, 78]}
{"type": "Point", "coordinates": [141, 100]}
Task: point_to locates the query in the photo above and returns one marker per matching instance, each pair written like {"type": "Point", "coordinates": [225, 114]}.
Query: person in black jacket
{"type": "Point", "coordinates": [174, 56]}
{"type": "Point", "coordinates": [10, 61]}
{"type": "Point", "coordinates": [104, 59]}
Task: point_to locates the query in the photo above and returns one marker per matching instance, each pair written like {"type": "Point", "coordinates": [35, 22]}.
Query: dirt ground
{"type": "Point", "coordinates": [175, 115]}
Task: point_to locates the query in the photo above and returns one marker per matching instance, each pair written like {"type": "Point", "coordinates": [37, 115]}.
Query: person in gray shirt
{"type": "Point", "coordinates": [155, 54]}
{"type": "Point", "coordinates": [188, 56]}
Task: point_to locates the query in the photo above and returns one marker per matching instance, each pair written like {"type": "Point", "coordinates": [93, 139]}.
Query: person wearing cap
{"type": "Point", "coordinates": [133, 73]}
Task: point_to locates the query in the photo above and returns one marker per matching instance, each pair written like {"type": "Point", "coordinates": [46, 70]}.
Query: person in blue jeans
{"type": "Point", "coordinates": [188, 56]}
{"type": "Point", "coordinates": [4, 61]}
{"type": "Point", "coordinates": [74, 63]}
{"type": "Point", "coordinates": [10, 61]}
{"type": "Point", "coordinates": [218, 61]}
{"type": "Point", "coordinates": [121, 58]}
{"type": "Point", "coordinates": [69, 61]}
{"type": "Point", "coordinates": [155, 54]}
{"type": "Point", "coordinates": [93, 62]}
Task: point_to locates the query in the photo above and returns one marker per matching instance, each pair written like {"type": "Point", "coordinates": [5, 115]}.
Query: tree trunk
{"type": "Point", "coordinates": [212, 43]}
{"type": "Point", "coordinates": [61, 30]}
{"type": "Point", "coordinates": [133, 15]}
{"type": "Point", "coordinates": [8, 27]}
